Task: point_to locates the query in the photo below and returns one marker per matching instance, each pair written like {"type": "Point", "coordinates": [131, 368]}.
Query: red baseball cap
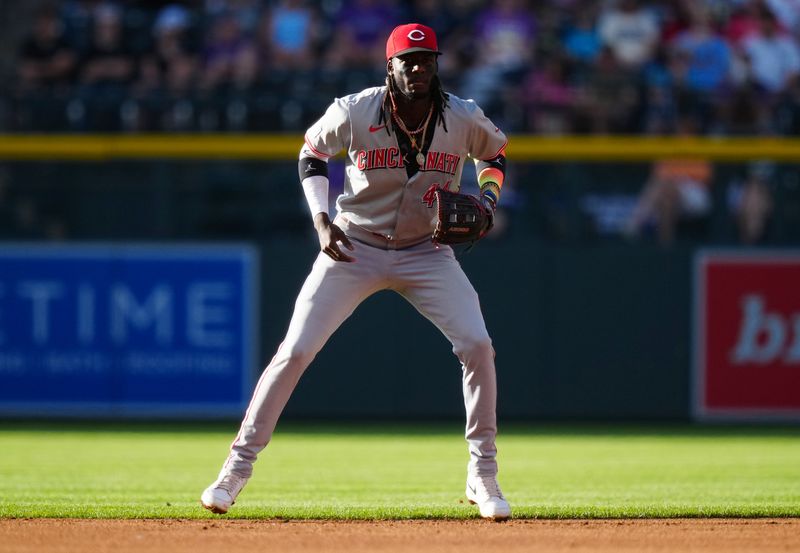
{"type": "Point", "coordinates": [412, 37]}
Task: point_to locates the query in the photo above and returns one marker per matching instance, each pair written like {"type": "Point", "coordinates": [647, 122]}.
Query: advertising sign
{"type": "Point", "coordinates": [126, 330]}
{"type": "Point", "coordinates": [747, 335]}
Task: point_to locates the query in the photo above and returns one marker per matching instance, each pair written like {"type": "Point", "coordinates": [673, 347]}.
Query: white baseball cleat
{"type": "Point", "coordinates": [484, 491]}
{"type": "Point", "coordinates": [220, 495]}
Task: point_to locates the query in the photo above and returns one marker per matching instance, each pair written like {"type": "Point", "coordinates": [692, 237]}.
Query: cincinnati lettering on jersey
{"type": "Point", "coordinates": [380, 158]}
{"type": "Point", "coordinates": [391, 158]}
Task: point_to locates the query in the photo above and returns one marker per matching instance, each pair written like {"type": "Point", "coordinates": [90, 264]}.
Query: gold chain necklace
{"type": "Point", "coordinates": [412, 134]}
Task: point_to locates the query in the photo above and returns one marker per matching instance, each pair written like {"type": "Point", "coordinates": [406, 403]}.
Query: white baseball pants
{"type": "Point", "coordinates": [432, 280]}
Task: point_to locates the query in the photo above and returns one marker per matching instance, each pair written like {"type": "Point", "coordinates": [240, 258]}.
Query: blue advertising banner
{"type": "Point", "coordinates": [127, 330]}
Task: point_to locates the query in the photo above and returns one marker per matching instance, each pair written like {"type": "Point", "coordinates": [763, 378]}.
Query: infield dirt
{"type": "Point", "coordinates": [202, 536]}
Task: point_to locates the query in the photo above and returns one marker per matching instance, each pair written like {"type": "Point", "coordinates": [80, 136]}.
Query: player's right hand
{"type": "Point", "coordinates": [330, 236]}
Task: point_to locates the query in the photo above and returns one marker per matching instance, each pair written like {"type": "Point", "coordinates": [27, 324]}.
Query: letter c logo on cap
{"type": "Point", "coordinates": [416, 35]}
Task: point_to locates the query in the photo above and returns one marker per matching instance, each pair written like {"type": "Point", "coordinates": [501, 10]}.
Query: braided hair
{"type": "Point", "coordinates": [439, 96]}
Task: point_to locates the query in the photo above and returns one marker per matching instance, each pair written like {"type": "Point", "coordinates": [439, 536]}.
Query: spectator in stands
{"type": "Point", "coordinates": [744, 113]}
{"type": "Point", "coordinates": [506, 33]}
{"type": "Point", "coordinates": [707, 54]}
{"type": "Point", "coordinates": [608, 101]}
{"type": "Point", "coordinates": [288, 33]}
{"type": "Point", "coordinates": [78, 17]}
{"type": "Point", "coordinates": [674, 16]}
{"type": "Point", "coordinates": [631, 32]}
{"type": "Point", "coordinates": [773, 57]}
{"type": "Point", "coordinates": [107, 68]}
{"type": "Point", "coordinates": [741, 22]}
{"type": "Point", "coordinates": [436, 15]}
{"type": "Point", "coordinates": [168, 72]}
{"type": "Point", "coordinates": [737, 70]}
{"type": "Point", "coordinates": [705, 62]}
{"type": "Point", "coordinates": [549, 32]}
{"type": "Point", "coordinates": [359, 34]}
{"type": "Point", "coordinates": [453, 21]}
{"type": "Point", "coordinates": [581, 40]}
{"type": "Point", "coordinates": [171, 66]}
{"type": "Point", "coordinates": [107, 62]}
{"type": "Point", "coordinates": [787, 113]}
{"type": "Point", "coordinates": [548, 96]}
{"type": "Point", "coordinates": [504, 45]}
{"type": "Point", "coordinates": [46, 59]}
{"type": "Point", "coordinates": [230, 58]}
{"type": "Point", "coordinates": [247, 13]}
{"type": "Point", "coordinates": [662, 78]}
{"type": "Point", "coordinates": [677, 191]}
{"type": "Point", "coordinates": [750, 202]}
{"type": "Point", "coordinates": [787, 12]}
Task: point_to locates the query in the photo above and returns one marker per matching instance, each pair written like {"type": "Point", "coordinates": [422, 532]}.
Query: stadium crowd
{"type": "Point", "coordinates": [560, 66]}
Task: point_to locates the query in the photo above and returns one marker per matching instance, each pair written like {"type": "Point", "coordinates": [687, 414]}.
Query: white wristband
{"type": "Point", "coordinates": [316, 191]}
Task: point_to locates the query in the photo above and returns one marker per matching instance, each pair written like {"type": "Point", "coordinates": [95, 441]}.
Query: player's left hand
{"type": "Point", "coordinates": [490, 208]}
{"type": "Point", "coordinates": [462, 218]}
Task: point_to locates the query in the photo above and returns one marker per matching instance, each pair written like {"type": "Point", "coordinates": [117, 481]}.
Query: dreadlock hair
{"type": "Point", "coordinates": [439, 96]}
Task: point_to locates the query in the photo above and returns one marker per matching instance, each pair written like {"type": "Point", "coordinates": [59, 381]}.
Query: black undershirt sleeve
{"type": "Point", "coordinates": [311, 167]}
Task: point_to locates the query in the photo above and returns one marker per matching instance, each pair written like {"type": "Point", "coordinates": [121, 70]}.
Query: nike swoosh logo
{"type": "Point", "coordinates": [379, 127]}
{"type": "Point", "coordinates": [472, 489]}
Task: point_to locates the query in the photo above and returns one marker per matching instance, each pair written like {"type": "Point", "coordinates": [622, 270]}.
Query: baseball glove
{"type": "Point", "coordinates": [462, 217]}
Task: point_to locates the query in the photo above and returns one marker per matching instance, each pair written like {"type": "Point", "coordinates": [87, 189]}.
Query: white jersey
{"type": "Point", "coordinates": [380, 204]}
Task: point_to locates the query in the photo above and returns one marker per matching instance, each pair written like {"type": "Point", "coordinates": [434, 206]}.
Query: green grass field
{"type": "Point", "coordinates": [390, 471]}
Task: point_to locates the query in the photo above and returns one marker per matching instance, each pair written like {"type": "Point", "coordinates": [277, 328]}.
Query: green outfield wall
{"type": "Point", "coordinates": [583, 332]}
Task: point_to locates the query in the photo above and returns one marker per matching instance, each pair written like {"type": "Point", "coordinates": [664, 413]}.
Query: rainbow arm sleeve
{"type": "Point", "coordinates": [491, 173]}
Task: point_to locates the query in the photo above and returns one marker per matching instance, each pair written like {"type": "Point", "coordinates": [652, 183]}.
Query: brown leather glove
{"type": "Point", "coordinates": [462, 218]}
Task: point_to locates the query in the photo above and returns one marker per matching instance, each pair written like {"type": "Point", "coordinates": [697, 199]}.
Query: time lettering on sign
{"type": "Point", "coordinates": [42, 312]}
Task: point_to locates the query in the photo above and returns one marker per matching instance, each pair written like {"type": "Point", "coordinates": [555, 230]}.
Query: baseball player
{"type": "Point", "coordinates": [402, 139]}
